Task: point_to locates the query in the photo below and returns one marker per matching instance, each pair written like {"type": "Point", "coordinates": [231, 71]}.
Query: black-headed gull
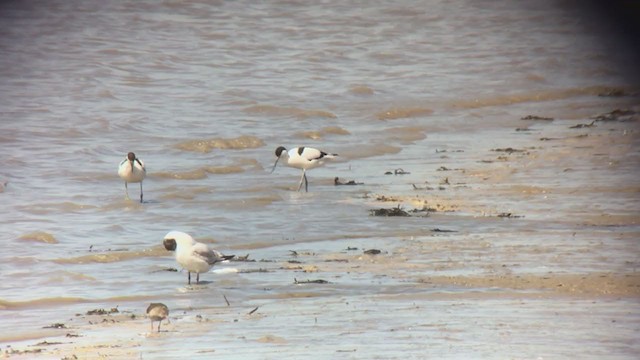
{"type": "Point", "coordinates": [157, 312]}
{"type": "Point", "coordinates": [132, 170]}
{"type": "Point", "coordinates": [303, 158]}
{"type": "Point", "coordinates": [191, 255]}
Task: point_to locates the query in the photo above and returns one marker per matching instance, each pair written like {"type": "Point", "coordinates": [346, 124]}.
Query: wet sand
{"type": "Point", "coordinates": [526, 252]}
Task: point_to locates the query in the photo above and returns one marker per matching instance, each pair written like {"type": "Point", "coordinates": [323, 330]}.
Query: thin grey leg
{"type": "Point", "coordinates": [301, 180]}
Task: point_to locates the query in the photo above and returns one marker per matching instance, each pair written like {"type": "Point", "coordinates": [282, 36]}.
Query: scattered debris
{"type": "Point", "coordinates": [613, 93]}
{"type": "Point", "coordinates": [46, 343]}
{"type": "Point", "coordinates": [56, 326]}
{"type": "Point", "coordinates": [398, 171]}
{"type": "Point", "coordinates": [535, 117]}
{"type": "Point", "coordinates": [22, 352]}
{"type": "Point", "coordinates": [618, 115]}
{"type": "Point", "coordinates": [254, 310]}
{"type": "Point", "coordinates": [243, 259]}
{"type": "Point", "coordinates": [509, 216]}
{"type": "Point", "coordinates": [424, 208]}
{"type": "Point", "coordinates": [523, 129]}
{"type": "Point", "coordinates": [337, 260]}
{"type": "Point", "coordinates": [248, 271]}
{"type": "Point", "coordinates": [337, 182]}
{"type": "Point", "coordinates": [103, 311]}
{"type": "Point", "coordinates": [396, 211]}
{"type": "Point", "coordinates": [318, 281]}
{"type": "Point", "coordinates": [580, 126]}
{"type": "Point", "coordinates": [415, 187]}
{"type": "Point", "coordinates": [166, 269]}
{"type": "Point", "coordinates": [351, 248]}
{"type": "Point", "coordinates": [372, 252]}
{"type": "Point", "coordinates": [442, 230]}
{"type": "Point", "coordinates": [70, 335]}
{"type": "Point", "coordinates": [443, 168]}
{"type": "Point", "coordinates": [445, 181]}
{"type": "Point", "coordinates": [387, 198]}
{"type": "Point", "coordinates": [508, 150]}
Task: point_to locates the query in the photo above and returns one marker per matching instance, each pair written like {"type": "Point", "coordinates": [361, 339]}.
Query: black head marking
{"type": "Point", "coordinates": [170, 244]}
{"type": "Point", "coordinates": [300, 150]}
{"type": "Point", "coordinates": [131, 156]}
{"type": "Point", "coordinates": [279, 150]}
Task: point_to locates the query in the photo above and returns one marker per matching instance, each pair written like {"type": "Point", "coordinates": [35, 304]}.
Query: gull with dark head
{"type": "Point", "coordinates": [132, 170]}
{"type": "Point", "coordinates": [157, 312]}
{"type": "Point", "coordinates": [303, 158]}
{"type": "Point", "coordinates": [191, 255]}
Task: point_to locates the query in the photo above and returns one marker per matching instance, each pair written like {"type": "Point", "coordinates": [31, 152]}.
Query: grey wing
{"type": "Point", "coordinates": [206, 254]}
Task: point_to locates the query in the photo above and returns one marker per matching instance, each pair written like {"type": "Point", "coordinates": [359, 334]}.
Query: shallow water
{"type": "Point", "coordinates": [205, 92]}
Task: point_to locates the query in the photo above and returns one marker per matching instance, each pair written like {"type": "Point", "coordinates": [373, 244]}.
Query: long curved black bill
{"type": "Point", "coordinates": [274, 166]}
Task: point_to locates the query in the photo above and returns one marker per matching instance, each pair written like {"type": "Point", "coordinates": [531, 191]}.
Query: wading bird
{"type": "Point", "coordinates": [191, 255]}
{"type": "Point", "coordinates": [132, 170]}
{"type": "Point", "coordinates": [303, 158]}
{"type": "Point", "coordinates": [157, 312]}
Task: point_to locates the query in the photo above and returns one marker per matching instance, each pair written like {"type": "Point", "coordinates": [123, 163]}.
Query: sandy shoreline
{"type": "Point", "coordinates": [420, 267]}
{"type": "Point", "coordinates": [126, 334]}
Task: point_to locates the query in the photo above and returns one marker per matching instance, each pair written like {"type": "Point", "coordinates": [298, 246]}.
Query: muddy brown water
{"type": "Point", "coordinates": [524, 245]}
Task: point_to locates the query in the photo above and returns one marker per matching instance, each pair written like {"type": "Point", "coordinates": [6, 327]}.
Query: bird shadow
{"type": "Point", "coordinates": [202, 282]}
{"type": "Point", "coordinates": [156, 333]}
{"type": "Point", "coordinates": [199, 286]}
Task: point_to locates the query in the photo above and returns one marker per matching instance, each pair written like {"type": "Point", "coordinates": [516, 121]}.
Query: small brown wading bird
{"type": "Point", "coordinates": [132, 170]}
{"type": "Point", "coordinates": [191, 255]}
{"type": "Point", "coordinates": [157, 312]}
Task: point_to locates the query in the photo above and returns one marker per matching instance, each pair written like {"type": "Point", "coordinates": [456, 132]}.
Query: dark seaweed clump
{"type": "Point", "coordinates": [396, 211]}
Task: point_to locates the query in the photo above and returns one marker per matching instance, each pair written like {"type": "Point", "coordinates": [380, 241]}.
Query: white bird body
{"type": "Point", "coordinates": [306, 158]}
{"type": "Point", "coordinates": [303, 158]}
{"type": "Point", "coordinates": [132, 170]}
{"type": "Point", "coordinates": [191, 255]}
